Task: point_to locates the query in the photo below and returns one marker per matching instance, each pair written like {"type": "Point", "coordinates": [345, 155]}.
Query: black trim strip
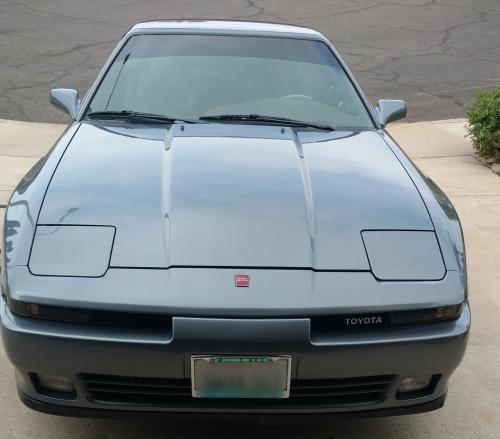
{"type": "Point", "coordinates": [292, 417]}
{"type": "Point", "coordinates": [152, 320]}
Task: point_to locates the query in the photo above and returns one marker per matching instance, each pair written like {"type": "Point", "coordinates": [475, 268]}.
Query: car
{"type": "Point", "coordinates": [226, 228]}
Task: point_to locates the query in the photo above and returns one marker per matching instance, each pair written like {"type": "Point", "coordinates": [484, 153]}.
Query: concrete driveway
{"type": "Point", "coordinates": [433, 53]}
{"type": "Point", "coordinates": [473, 406]}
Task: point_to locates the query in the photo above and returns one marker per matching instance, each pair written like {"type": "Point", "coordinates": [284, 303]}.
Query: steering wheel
{"type": "Point", "coordinates": [297, 96]}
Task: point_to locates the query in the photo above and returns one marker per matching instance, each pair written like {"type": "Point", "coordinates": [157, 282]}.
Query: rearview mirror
{"type": "Point", "coordinates": [66, 100]}
{"type": "Point", "coordinates": [389, 110]}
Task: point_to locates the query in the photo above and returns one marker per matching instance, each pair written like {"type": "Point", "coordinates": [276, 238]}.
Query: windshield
{"type": "Point", "coordinates": [188, 77]}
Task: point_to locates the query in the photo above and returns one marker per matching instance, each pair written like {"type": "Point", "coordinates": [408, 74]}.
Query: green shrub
{"type": "Point", "coordinates": [483, 123]}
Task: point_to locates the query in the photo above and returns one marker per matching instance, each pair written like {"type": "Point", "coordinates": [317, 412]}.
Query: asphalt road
{"type": "Point", "coordinates": [433, 53]}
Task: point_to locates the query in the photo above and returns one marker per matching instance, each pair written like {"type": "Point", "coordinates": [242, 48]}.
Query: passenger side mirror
{"type": "Point", "coordinates": [389, 110]}
{"type": "Point", "coordinates": [66, 100]}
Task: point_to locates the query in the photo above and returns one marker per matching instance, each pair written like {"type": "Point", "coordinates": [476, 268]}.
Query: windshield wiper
{"type": "Point", "coordinates": [268, 119]}
{"type": "Point", "coordinates": [138, 116]}
{"type": "Point", "coordinates": [135, 116]}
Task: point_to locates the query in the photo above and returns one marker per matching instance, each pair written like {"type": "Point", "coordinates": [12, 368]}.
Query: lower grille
{"type": "Point", "coordinates": [126, 390]}
{"type": "Point", "coordinates": [136, 390]}
{"type": "Point", "coordinates": [342, 391]}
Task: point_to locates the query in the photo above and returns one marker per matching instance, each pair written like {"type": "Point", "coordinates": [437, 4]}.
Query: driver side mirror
{"type": "Point", "coordinates": [66, 100]}
{"type": "Point", "coordinates": [389, 110]}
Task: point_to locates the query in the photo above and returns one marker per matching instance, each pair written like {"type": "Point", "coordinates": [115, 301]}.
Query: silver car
{"type": "Point", "coordinates": [226, 227]}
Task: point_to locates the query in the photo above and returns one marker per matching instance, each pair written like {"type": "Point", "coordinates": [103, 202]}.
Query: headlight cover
{"type": "Point", "coordinates": [404, 255]}
{"type": "Point", "coordinates": [67, 250]}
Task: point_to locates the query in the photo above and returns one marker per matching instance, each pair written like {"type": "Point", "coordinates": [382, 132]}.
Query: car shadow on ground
{"type": "Point", "coordinates": [374, 428]}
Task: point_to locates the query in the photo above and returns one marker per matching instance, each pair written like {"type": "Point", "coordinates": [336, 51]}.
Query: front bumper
{"type": "Point", "coordinates": [76, 351]}
{"type": "Point", "coordinates": [294, 418]}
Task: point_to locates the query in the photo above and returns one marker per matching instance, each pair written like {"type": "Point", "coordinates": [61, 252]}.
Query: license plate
{"type": "Point", "coordinates": [240, 377]}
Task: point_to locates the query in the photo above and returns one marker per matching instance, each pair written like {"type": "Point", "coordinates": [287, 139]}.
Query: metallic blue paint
{"type": "Point", "coordinates": [230, 199]}
{"type": "Point", "coordinates": [194, 206]}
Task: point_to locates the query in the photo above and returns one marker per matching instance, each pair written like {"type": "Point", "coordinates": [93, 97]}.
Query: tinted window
{"type": "Point", "coordinates": [189, 76]}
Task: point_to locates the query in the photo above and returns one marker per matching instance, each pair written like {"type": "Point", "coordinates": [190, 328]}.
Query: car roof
{"type": "Point", "coordinates": [225, 26]}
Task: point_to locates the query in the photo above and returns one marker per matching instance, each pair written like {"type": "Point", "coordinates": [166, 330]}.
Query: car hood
{"type": "Point", "coordinates": [233, 195]}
